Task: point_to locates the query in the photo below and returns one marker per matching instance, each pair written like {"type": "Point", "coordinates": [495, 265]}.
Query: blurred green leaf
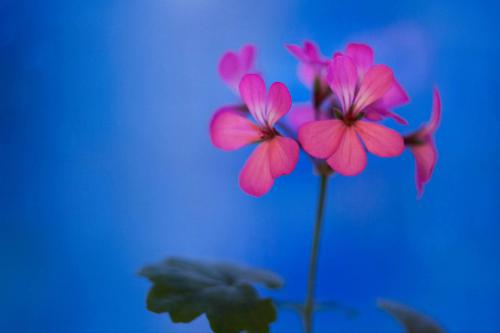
{"type": "Point", "coordinates": [412, 321]}
{"type": "Point", "coordinates": [185, 289]}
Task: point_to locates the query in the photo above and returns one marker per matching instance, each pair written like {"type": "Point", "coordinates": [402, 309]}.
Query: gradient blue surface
{"type": "Point", "coordinates": [106, 164]}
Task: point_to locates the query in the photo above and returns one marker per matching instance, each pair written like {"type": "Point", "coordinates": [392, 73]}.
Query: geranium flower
{"type": "Point", "coordinates": [275, 154]}
{"type": "Point", "coordinates": [337, 139]}
{"type": "Point", "coordinates": [312, 64]}
{"type": "Point", "coordinates": [422, 146]}
{"type": "Point", "coordinates": [363, 57]}
{"type": "Point", "coordinates": [234, 65]}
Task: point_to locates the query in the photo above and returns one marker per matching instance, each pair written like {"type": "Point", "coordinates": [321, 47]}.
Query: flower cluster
{"type": "Point", "coordinates": [351, 94]}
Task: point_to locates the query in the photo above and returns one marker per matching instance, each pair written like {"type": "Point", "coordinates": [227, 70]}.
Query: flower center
{"type": "Point", "coordinates": [267, 133]}
{"type": "Point", "coordinates": [350, 118]}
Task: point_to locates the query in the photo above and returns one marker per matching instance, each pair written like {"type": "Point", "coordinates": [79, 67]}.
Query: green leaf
{"type": "Point", "coordinates": [185, 289]}
{"type": "Point", "coordinates": [411, 320]}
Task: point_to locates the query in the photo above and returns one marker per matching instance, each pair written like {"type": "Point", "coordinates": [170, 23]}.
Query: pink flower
{"type": "Point", "coordinates": [312, 63]}
{"type": "Point", "coordinates": [233, 65]}
{"type": "Point", "coordinates": [363, 57]}
{"type": "Point", "coordinates": [421, 144]}
{"type": "Point", "coordinates": [275, 155]}
{"type": "Point", "coordinates": [357, 85]}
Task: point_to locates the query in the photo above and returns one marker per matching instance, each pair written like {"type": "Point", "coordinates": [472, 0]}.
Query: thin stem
{"type": "Point", "coordinates": [313, 263]}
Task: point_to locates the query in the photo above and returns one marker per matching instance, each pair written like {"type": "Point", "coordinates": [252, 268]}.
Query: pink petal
{"type": "Point", "coordinates": [299, 115]}
{"type": "Point", "coordinates": [307, 73]}
{"type": "Point", "coordinates": [395, 116]}
{"type": "Point", "coordinates": [376, 114]}
{"type": "Point", "coordinates": [255, 177]}
{"type": "Point", "coordinates": [343, 79]}
{"type": "Point", "coordinates": [350, 157]}
{"type": "Point", "coordinates": [230, 129]}
{"type": "Point", "coordinates": [283, 155]}
{"type": "Point", "coordinates": [362, 55]}
{"type": "Point", "coordinates": [428, 129]}
{"type": "Point", "coordinates": [253, 93]}
{"type": "Point", "coordinates": [394, 97]}
{"type": "Point", "coordinates": [279, 102]}
{"type": "Point", "coordinates": [375, 84]}
{"type": "Point", "coordinates": [229, 69]}
{"type": "Point", "coordinates": [233, 66]}
{"type": "Point", "coordinates": [425, 161]}
{"type": "Point", "coordinates": [311, 62]}
{"type": "Point", "coordinates": [436, 113]}
{"type": "Point", "coordinates": [247, 57]}
{"type": "Point", "coordinates": [321, 138]}
{"type": "Point", "coordinates": [380, 140]}
{"type": "Point", "coordinates": [311, 51]}
{"type": "Point", "coordinates": [297, 52]}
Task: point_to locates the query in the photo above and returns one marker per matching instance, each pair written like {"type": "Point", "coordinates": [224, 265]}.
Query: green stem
{"type": "Point", "coordinates": [313, 263]}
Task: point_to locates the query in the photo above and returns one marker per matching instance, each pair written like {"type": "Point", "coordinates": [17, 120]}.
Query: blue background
{"type": "Point", "coordinates": [106, 163]}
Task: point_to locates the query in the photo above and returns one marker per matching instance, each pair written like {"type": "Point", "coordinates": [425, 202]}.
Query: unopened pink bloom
{"type": "Point", "coordinates": [363, 57]}
{"type": "Point", "coordinates": [421, 144]}
{"type": "Point", "coordinates": [275, 155]}
{"type": "Point", "coordinates": [234, 65]}
{"type": "Point", "coordinates": [312, 64]}
{"type": "Point", "coordinates": [357, 87]}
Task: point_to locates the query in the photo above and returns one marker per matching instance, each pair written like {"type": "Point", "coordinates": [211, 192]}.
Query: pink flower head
{"type": "Point", "coordinates": [312, 63]}
{"type": "Point", "coordinates": [233, 65]}
{"type": "Point", "coordinates": [357, 87]}
{"type": "Point", "coordinates": [421, 144]}
{"type": "Point", "coordinates": [363, 57]}
{"type": "Point", "coordinates": [275, 155]}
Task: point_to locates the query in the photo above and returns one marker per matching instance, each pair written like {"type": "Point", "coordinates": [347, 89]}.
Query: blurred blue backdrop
{"type": "Point", "coordinates": [106, 163]}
